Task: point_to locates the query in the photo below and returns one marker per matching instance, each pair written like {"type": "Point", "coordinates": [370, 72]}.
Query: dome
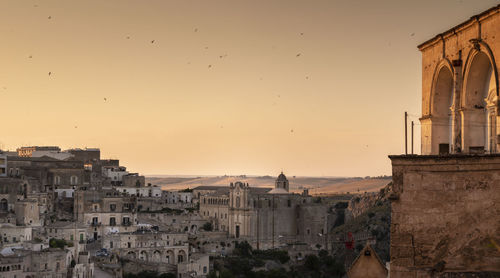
{"type": "Point", "coordinates": [281, 177]}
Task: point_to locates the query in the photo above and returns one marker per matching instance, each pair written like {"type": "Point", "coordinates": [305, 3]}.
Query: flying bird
{"type": "Point", "coordinates": [301, 34]}
{"type": "Point", "coordinates": [105, 99]}
{"type": "Point", "coordinates": [195, 30]}
{"type": "Point", "coordinates": [49, 17]}
{"type": "Point", "coordinates": [50, 72]}
{"type": "Point", "coordinates": [298, 55]}
{"type": "Point", "coordinates": [153, 41]}
{"type": "Point", "coordinates": [209, 66]}
{"type": "Point", "coordinates": [412, 34]}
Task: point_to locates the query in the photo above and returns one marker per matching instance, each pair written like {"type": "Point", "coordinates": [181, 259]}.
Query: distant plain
{"type": "Point", "coordinates": [316, 185]}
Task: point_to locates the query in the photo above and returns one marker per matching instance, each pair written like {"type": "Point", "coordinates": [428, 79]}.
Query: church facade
{"type": "Point", "coordinates": [271, 218]}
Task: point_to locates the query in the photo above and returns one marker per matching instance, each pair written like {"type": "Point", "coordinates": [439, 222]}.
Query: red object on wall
{"type": "Point", "coordinates": [349, 243]}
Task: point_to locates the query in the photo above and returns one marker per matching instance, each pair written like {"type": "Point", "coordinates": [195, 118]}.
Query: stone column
{"type": "Point", "coordinates": [492, 127]}
{"type": "Point", "coordinates": [456, 130]}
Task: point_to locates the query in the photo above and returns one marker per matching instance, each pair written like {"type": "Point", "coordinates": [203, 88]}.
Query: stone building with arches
{"type": "Point", "coordinates": [149, 246]}
{"type": "Point", "coordinates": [444, 205]}
{"type": "Point", "coordinates": [460, 88]}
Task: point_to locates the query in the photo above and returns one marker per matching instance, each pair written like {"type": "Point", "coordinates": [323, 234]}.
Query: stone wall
{"type": "Point", "coordinates": [445, 216]}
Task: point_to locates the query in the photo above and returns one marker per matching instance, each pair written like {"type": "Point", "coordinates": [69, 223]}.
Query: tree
{"type": "Point", "coordinates": [57, 243]}
{"type": "Point", "coordinates": [243, 249]}
{"type": "Point", "coordinates": [323, 253]}
{"type": "Point", "coordinates": [312, 262]}
{"type": "Point", "coordinates": [207, 226]}
{"type": "Point", "coordinates": [167, 275]}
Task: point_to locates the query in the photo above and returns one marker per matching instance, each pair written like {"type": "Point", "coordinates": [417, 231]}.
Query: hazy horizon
{"type": "Point", "coordinates": [314, 88]}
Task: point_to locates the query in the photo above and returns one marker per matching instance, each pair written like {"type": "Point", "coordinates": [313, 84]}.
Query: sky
{"type": "Point", "coordinates": [313, 88]}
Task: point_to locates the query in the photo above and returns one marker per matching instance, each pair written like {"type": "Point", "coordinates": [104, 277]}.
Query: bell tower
{"type": "Point", "coordinates": [282, 182]}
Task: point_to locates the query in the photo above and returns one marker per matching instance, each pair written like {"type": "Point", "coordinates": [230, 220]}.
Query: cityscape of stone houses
{"type": "Point", "coordinates": [65, 213]}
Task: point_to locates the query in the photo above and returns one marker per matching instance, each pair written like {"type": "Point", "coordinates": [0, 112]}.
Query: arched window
{"type": "Point", "coordinates": [74, 180]}
{"type": "Point", "coordinates": [4, 205]}
{"type": "Point", "coordinates": [441, 103]}
{"type": "Point", "coordinates": [57, 180]}
{"type": "Point", "coordinates": [479, 111]}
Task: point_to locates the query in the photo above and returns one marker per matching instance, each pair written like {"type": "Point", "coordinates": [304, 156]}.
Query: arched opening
{"type": "Point", "coordinates": [4, 205]}
{"type": "Point", "coordinates": [442, 100]}
{"type": "Point", "coordinates": [479, 113]}
{"type": "Point", "coordinates": [131, 255]}
{"type": "Point", "coordinates": [181, 256]}
{"type": "Point", "coordinates": [170, 257]}
{"type": "Point", "coordinates": [143, 256]}
{"type": "Point", "coordinates": [74, 180]}
{"type": "Point", "coordinates": [156, 256]}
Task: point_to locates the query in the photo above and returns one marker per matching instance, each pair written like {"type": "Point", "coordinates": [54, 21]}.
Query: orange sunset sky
{"type": "Point", "coordinates": [315, 88]}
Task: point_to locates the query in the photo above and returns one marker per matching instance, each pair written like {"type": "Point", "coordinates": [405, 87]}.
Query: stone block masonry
{"type": "Point", "coordinates": [445, 216]}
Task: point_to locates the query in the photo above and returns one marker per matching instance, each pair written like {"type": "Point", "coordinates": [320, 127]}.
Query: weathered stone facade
{"type": "Point", "coordinates": [276, 218]}
{"type": "Point", "coordinates": [460, 88]}
{"type": "Point", "coordinates": [269, 220]}
{"type": "Point", "coordinates": [445, 213]}
{"type": "Point", "coordinates": [150, 246]}
{"type": "Point", "coordinates": [265, 217]}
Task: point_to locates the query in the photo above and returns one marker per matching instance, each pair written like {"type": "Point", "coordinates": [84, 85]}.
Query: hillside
{"type": "Point", "coordinates": [369, 220]}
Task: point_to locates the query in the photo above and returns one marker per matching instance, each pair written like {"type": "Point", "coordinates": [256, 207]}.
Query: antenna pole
{"type": "Point", "coordinates": [412, 137]}
{"type": "Point", "coordinates": [406, 132]}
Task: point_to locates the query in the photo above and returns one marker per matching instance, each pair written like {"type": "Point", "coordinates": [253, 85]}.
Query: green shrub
{"type": "Point", "coordinates": [207, 226]}
{"type": "Point", "coordinates": [59, 243]}
{"type": "Point", "coordinates": [311, 262]}
{"type": "Point", "coordinates": [242, 249]}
